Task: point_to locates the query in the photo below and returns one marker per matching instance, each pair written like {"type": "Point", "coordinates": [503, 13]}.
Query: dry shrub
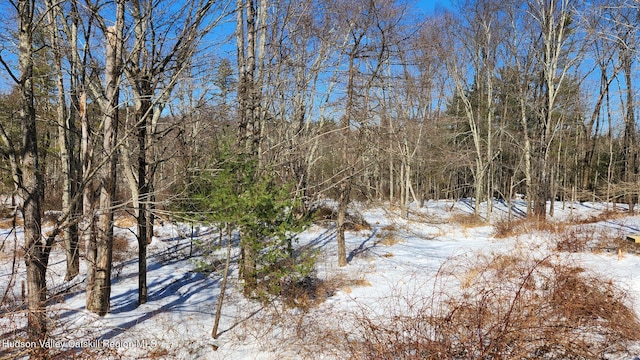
{"type": "Point", "coordinates": [353, 219]}
{"type": "Point", "coordinates": [358, 226]}
{"type": "Point", "coordinates": [603, 216]}
{"type": "Point", "coordinates": [125, 221]}
{"type": "Point", "coordinates": [613, 241]}
{"type": "Point", "coordinates": [10, 223]}
{"type": "Point", "coordinates": [390, 227]}
{"type": "Point", "coordinates": [389, 240]}
{"type": "Point", "coordinates": [50, 218]}
{"type": "Point", "coordinates": [584, 238]}
{"type": "Point", "coordinates": [507, 228]}
{"type": "Point", "coordinates": [574, 240]}
{"type": "Point", "coordinates": [312, 291]}
{"type": "Point", "coordinates": [120, 248]}
{"type": "Point", "coordinates": [468, 220]}
{"type": "Point", "coordinates": [306, 293]}
{"type": "Point", "coordinates": [517, 307]}
{"type": "Point", "coordinates": [322, 213]}
{"type": "Point", "coordinates": [7, 211]}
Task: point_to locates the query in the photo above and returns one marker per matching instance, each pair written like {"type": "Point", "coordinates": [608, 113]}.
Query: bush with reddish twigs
{"type": "Point", "coordinates": [502, 307]}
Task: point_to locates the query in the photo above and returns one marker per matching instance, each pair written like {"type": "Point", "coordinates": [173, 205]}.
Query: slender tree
{"type": "Point", "coordinates": [158, 56]}
{"type": "Point", "coordinates": [99, 253]}
{"type": "Point", "coordinates": [555, 59]}
{"type": "Point", "coordinates": [27, 175]}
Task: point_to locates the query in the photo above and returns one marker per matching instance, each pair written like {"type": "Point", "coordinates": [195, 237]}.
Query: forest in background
{"type": "Point", "coordinates": [246, 113]}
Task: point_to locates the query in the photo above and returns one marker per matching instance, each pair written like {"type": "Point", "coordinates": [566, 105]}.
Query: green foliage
{"type": "Point", "coordinates": [258, 208]}
{"type": "Point", "coordinates": [277, 277]}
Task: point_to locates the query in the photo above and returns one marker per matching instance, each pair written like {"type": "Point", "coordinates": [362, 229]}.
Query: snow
{"type": "Point", "coordinates": [395, 256]}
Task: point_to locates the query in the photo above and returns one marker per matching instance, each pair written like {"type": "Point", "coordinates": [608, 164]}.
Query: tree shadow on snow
{"type": "Point", "coordinates": [363, 246]}
{"type": "Point", "coordinates": [173, 305]}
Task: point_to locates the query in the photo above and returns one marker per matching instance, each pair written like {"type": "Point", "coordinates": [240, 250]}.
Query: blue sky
{"type": "Point", "coordinates": [428, 6]}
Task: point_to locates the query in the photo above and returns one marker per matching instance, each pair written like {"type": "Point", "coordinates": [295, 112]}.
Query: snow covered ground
{"type": "Point", "coordinates": [394, 256]}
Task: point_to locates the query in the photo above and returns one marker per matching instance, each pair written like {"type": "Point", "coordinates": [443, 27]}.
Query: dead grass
{"type": "Point", "coordinates": [390, 227]}
{"type": "Point", "coordinates": [353, 219]}
{"type": "Point", "coordinates": [603, 216]}
{"type": "Point", "coordinates": [125, 221]}
{"type": "Point", "coordinates": [8, 223]}
{"type": "Point", "coordinates": [389, 240]}
{"type": "Point", "coordinates": [120, 248]}
{"type": "Point", "coordinates": [516, 307]}
{"type": "Point", "coordinates": [358, 226]}
{"type": "Point", "coordinates": [468, 220]}
{"type": "Point", "coordinates": [348, 285]}
{"type": "Point", "coordinates": [508, 228]}
{"type": "Point", "coordinates": [312, 291]}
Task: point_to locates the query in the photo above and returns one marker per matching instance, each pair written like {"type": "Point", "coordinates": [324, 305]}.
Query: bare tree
{"type": "Point", "coordinates": [26, 172]}
{"type": "Point", "coordinates": [625, 20]}
{"type": "Point", "coordinates": [99, 252]}
{"type": "Point", "coordinates": [65, 119]}
{"type": "Point", "coordinates": [160, 52]}
{"type": "Point", "coordinates": [30, 185]}
{"type": "Point", "coordinates": [555, 60]}
{"type": "Point", "coordinates": [479, 36]}
{"type": "Point", "coordinates": [250, 44]}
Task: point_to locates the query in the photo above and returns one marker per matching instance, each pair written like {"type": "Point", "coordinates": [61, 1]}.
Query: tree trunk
{"type": "Point", "coordinates": [30, 184]}
{"type": "Point", "coordinates": [630, 155]}
{"type": "Point", "coordinates": [223, 285]}
{"type": "Point", "coordinates": [98, 298]}
{"type": "Point", "coordinates": [143, 202]}
{"type": "Point", "coordinates": [65, 144]}
{"type": "Point", "coordinates": [343, 202]}
{"type": "Point", "coordinates": [344, 195]}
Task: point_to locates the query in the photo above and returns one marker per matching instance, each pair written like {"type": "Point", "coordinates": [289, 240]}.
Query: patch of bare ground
{"type": "Point", "coordinates": [306, 329]}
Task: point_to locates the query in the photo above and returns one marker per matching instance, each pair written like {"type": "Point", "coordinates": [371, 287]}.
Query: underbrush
{"type": "Point", "coordinates": [521, 305]}
{"type": "Point", "coordinates": [575, 235]}
{"type": "Point", "coordinates": [508, 228]}
{"type": "Point", "coordinates": [354, 220]}
{"type": "Point", "coordinates": [468, 220]}
{"type": "Point", "coordinates": [514, 227]}
{"type": "Point", "coordinates": [506, 307]}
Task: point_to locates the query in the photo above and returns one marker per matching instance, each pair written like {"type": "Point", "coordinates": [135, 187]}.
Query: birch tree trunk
{"type": "Point", "coordinates": [553, 18]}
